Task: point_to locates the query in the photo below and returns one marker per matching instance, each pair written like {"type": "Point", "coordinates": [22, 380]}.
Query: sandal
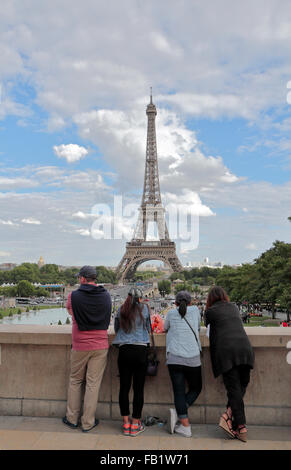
{"type": "Point", "coordinates": [223, 423]}
{"type": "Point", "coordinates": [242, 436]}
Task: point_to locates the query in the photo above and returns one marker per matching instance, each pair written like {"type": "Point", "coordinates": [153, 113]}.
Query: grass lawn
{"type": "Point", "coordinates": [262, 321]}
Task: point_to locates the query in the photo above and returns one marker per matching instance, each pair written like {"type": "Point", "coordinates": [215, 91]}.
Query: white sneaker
{"type": "Point", "coordinates": [183, 430]}
{"type": "Point", "coordinates": [172, 420]}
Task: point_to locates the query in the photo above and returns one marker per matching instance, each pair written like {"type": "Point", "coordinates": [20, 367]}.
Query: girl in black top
{"type": "Point", "coordinates": [231, 355]}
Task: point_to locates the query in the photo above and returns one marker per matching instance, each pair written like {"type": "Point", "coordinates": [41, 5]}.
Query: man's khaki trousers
{"type": "Point", "coordinates": [87, 367]}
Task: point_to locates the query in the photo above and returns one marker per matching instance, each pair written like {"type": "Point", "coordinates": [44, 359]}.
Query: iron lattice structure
{"type": "Point", "coordinates": [144, 247]}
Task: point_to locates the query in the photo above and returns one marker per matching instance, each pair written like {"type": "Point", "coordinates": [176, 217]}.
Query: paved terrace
{"type": "Point", "coordinates": [29, 433]}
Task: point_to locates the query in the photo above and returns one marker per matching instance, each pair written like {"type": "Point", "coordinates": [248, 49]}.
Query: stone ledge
{"type": "Point", "coordinates": [276, 337]}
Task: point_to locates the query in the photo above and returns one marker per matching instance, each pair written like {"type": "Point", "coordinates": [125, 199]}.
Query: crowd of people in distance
{"type": "Point", "coordinates": [231, 353]}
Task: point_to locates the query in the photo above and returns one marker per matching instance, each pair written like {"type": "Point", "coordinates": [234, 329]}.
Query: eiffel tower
{"type": "Point", "coordinates": [144, 247]}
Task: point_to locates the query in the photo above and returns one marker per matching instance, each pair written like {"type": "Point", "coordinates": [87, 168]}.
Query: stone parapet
{"type": "Point", "coordinates": [35, 366]}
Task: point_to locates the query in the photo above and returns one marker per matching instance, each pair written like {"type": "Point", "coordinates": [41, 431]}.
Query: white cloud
{"type": "Point", "coordinates": [8, 222]}
{"type": "Point", "coordinates": [121, 136]}
{"type": "Point", "coordinates": [229, 64]}
{"type": "Point", "coordinates": [31, 221]}
{"type": "Point", "coordinates": [212, 106]}
{"type": "Point", "coordinates": [251, 246]}
{"type": "Point", "coordinates": [235, 62]}
{"type": "Point", "coordinates": [187, 202]}
{"type": "Point", "coordinates": [162, 44]}
{"type": "Point", "coordinates": [71, 152]}
{"type": "Point", "coordinates": [81, 215]}
{"type": "Point", "coordinates": [4, 253]}
{"type": "Point", "coordinates": [84, 232]}
{"type": "Point", "coordinates": [16, 183]}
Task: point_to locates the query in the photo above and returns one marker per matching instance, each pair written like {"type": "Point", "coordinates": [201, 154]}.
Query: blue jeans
{"type": "Point", "coordinates": [179, 376]}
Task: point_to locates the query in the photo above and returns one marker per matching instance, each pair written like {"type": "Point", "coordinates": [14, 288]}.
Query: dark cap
{"type": "Point", "coordinates": [89, 272]}
{"type": "Point", "coordinates": [183, 295]}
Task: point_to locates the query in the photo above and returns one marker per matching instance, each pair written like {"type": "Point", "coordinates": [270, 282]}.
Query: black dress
{"type": "Point", "coordinates": [229, 343]}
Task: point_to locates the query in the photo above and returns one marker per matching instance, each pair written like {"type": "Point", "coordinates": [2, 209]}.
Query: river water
{"type": "Point", "coordinates": [38, 317]}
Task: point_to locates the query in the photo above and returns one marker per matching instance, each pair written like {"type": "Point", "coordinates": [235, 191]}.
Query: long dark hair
{"type": "Point", "coordinates": [130, 309]}
{"type": "Point", "coordinates": [183, 298]}
{"type": "Point", "coordinates": [216, 294]}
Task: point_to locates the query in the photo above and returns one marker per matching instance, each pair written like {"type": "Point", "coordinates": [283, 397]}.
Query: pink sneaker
{"type": "Point", "coordinates": [136, 428]}
{"type": "Point", "coordinates": [126, 429]}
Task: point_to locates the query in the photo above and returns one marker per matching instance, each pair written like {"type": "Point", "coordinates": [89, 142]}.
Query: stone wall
{"type": "Point", "coordinates": [35, 365]}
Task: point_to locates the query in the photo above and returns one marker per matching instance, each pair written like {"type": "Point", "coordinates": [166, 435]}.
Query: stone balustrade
{"type": "Point", "coordinates": [35, 365]}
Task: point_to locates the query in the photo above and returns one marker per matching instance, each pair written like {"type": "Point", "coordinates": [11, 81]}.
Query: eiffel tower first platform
{"type": "Point", "coordinates": [151, 213]}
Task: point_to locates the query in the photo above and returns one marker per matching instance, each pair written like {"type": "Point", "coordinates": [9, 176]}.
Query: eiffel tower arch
{"type": "Point", "coordinates": [141, 248]}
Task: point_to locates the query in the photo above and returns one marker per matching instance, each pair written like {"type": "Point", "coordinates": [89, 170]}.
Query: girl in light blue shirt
{"type": "Point", "coordinates": [183, 347]}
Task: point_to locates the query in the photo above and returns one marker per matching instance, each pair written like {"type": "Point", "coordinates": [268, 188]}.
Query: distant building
{"type": "Point", "coordinates": [63, 268]}
{"type": "Point", "coordinates": [41, 262]}
{"type": "Point", "coordinates": [204, 264]}
{"type": "Point", "coordinates": [7, 266]}
{"type": "Point", "coordinates": [178, 281]}
{"type": "Point", "coordinates": [148, 267]}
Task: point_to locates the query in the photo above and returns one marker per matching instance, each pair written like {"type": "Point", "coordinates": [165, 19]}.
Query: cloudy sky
{"type": "Point", "coordinates": [74, 86]}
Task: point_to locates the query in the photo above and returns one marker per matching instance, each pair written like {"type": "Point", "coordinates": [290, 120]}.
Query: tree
{"type": "Point", "coordinates": [263, 281]}
{"type": "Point", "coordinates": [274, 268]}
{"type": "Point", "coordinates": [105, 276]}
{"type": "Point", "coordinates": [285, 301]}
{"type": "Point", "coordinates": [164, 287]}
{"type": "Point", "coordinates": [25, 289]}
{"type": "Point", "coordinates": [183, 286]}
{"type": "Point", "coordinates": [175, 276]}
{"type": "Point", "coordinates": [50, 274]}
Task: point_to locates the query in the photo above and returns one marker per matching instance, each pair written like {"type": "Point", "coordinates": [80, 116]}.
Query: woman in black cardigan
{"type": "Point", "coordinates": [232, 356]}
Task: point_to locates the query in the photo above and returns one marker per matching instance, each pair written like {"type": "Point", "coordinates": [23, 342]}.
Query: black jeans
{"type": "Point", "coordinates": [179, 376]}
{"type": "Point", "coordinates": [236, 381]}
{"type": "Point", "coordinates": [132, 365]}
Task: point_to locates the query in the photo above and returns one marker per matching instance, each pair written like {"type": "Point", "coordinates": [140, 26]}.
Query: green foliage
{"type": "Point", "coordinates": [47, 274]}
{"type": "Point", "coordinates": [203, 276]}
{"type": "Point", "coordinates": [105, 276]}
{"type": "Point", "coordinates": [25, 289]}
{"type": "Point", "coordinates": [164, 287]}
{"type": "Point", "coordinates": [146, 275]}
{"type": "Point", "coordinates": [8, 291]}
{"type": "Point", "coordinates": [175, 276]}
{"type": "Point", "coordinates": [183, 286]}
{"type": "Point", "coordinates": [267, 280]}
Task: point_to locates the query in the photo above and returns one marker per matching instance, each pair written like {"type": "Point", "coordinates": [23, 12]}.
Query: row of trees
{"type": "Point", "coordinates": [24, 289]}
{"type": "Point", "coordinates": [146, 275]}
{"type": "Point", "coordinates": [50, 274]}
{"type": "Point", "coordinates": [265, 281]}
{"type": "Point", "coordinates": [201, 276]}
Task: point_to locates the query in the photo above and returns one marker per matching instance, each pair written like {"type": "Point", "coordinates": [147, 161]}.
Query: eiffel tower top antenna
{"type": "Point", "coordinates": [151, 102]}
